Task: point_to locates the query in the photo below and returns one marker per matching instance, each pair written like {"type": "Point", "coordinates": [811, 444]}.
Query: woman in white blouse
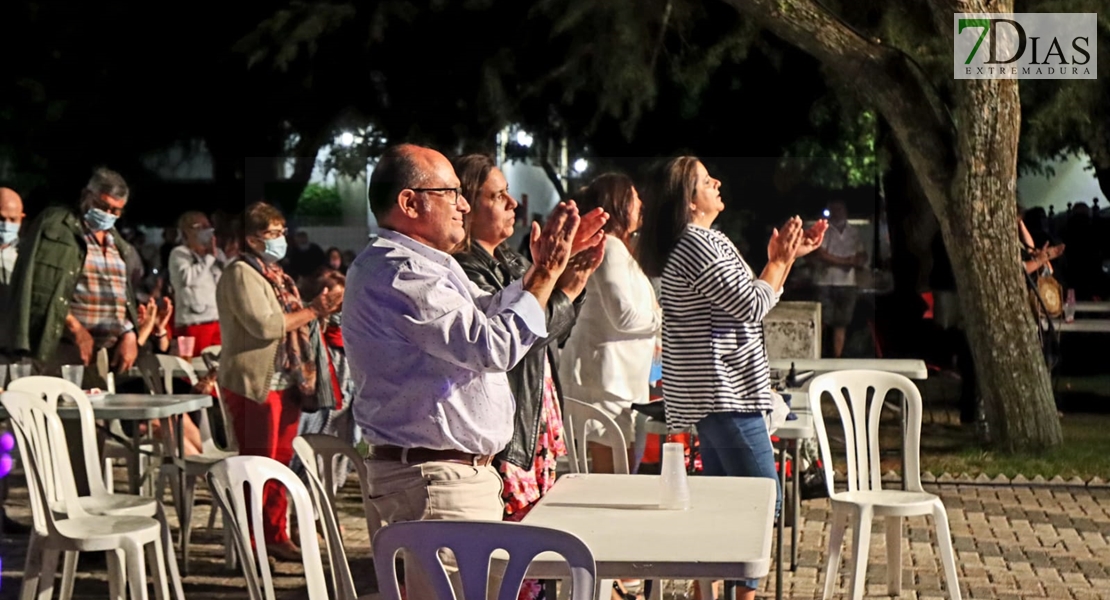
{"type": "Point", "coordinates": [607, 358]}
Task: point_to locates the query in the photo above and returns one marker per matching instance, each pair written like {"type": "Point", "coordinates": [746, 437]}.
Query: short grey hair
{"type": "Point", "coordinates": [105, 181]}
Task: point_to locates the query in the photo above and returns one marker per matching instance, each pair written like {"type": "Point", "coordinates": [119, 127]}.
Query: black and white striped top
{"type": "Point", "coordinates": [714, 355]}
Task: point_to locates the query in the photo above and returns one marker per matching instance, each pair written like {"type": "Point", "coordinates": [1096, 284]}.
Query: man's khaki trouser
{"type": "Point", "coordinates": [433, 491]}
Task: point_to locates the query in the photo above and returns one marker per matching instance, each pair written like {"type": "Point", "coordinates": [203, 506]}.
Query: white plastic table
{"type": "Point", "coordinates": [909, 367]}
{"type": "Point", "coordinates": [1083, 326]}
{"type": "Point", "coordinates": [726, 533]}
{"type": "Point", "coordinates": [1092, 307]}
{"type": "Point", "coordinates": [790, 434]}
{"type": "Point", "coordinates": [138, 407]}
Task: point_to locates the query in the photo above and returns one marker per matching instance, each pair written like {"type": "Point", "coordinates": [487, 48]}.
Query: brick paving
{"type": "Point", "coordinates": [1011, 542]}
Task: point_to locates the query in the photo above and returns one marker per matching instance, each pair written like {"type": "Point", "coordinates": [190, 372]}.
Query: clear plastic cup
{"type": "Point", "coordinates": [74, 374]}
{"type": "Point", "coordinates": [674, 485]}
{"type": "Point", "coordinates": [18, 370]}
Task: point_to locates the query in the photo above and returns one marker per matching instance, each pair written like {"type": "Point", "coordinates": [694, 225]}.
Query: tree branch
{"type": "Point", "coordinates": [881, 75]}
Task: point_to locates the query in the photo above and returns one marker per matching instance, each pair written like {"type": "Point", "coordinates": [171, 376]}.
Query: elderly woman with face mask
{"type": "Point", "coordinates": [194, 269]}
{"type": "Point", "coordinates": [273, 360]}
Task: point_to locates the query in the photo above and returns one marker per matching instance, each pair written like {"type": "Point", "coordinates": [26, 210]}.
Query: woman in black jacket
{"type": "Point", "coordinates": [527, 464]}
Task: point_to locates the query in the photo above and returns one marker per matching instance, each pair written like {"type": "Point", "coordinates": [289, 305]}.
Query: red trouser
{"type": "Point", "coordinates": [267, 429]}
{"type": "Point", "coordinates": [206, 334]}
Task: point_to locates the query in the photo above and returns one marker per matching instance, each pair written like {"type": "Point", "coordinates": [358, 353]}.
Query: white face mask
{"type": "Point", "coordinates": [99, 220]}
{"type": "Point", "coordinates": [9, 232]}
{"type": "Point", "coordinates": [274, 250]}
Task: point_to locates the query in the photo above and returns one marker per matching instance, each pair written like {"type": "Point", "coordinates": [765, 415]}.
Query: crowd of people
{"type": "Point", "coordinates": [440, 344]}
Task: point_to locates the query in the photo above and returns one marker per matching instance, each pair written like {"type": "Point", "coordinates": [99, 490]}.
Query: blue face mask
{"type": "Point", "coordinates": [275, 250]}
{"type": "Point", "coordinates": [9, 232]}
{"type": "Point", "coordinates": [100, 220]}
{"type": "Point", "coordinates": [204, 236]}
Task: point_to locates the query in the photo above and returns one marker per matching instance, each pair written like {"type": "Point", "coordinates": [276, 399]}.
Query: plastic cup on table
{"type": "Point", "coordinates": [674, 485]}
{"type": "Point", "coordinates": [74, 374]}
{"type": "Point", "coordinates": [18, 371]}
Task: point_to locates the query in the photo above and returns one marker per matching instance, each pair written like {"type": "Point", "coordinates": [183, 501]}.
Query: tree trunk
{"type": "Point", "coordinates": [967, 169]}
{"type": "Point", "coordinates": [980, 232]}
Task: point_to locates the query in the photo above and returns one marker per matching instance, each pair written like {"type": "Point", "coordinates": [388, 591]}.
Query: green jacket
{"type": "Point", "coordinates": [51, 257]}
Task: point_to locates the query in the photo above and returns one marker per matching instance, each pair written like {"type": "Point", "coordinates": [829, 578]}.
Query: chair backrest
{"type": "Point", "coordinates": [577, 417]}
{"type": "Point", "coordinates": [859, 397]}
{"type": "Point", "coordinates": [226, 479]}
{"type": "Point", "coordinates": [42, 444]}
{"type": "Point", "coordinates": [151, 370]}
{"type": "Point", "coordinates": [329, 451]}
{"type": "Point", "coordinates": [103, 366]}
{"type": "Point", "coordinates": [212, 351]}
{"type": "Point", "coordinates": [158, 372]}
{"type": "Point", "coordinates": [170, 365]}
{"type": "Point", "coordinates": [52, 389]}
{"type": "Point", "coordinates": [473, 543]}
{"type": "Point", "coordinates": [324, 503]}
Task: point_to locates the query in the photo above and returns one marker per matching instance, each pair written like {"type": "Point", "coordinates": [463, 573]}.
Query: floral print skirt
{"type": "Point", "coordinates": [524, 487]}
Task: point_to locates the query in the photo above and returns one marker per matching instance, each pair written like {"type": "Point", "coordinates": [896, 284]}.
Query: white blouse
{"type": "Point", "coordinates": [609, 351]}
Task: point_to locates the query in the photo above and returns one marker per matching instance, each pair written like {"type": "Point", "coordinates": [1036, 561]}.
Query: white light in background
{"type": "Point", "coordinates": [580, 166]}
{"type": "Point", "coordinates": [346, 139]}
{"type": "Point", "coordinates": [524, 138]}
{"type": "Point", "coordinates": [825, 213]}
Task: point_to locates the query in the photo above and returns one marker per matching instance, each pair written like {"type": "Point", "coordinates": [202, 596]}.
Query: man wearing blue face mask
{"type": "Point", "coordinates": [70, 288]}
{"type": "Point", "coordinates": [195, 268]}
{"type": "Point", "coordinates": [11, 216]}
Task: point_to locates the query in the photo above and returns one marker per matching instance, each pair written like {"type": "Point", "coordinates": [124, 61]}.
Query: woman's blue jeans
{"type": "Point", "coordinates": [736, 444]}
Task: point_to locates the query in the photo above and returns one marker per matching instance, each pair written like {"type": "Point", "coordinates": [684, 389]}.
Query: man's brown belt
{"type": "Point", "coordinates": [422, 455]}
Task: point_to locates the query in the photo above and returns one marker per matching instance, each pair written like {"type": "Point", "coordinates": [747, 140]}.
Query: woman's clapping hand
{"type": "Point", "coordinates": [784, 244]}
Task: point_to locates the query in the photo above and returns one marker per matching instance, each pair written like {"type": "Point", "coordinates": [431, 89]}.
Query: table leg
{"type": "Point", "coordinates": [779, 528]}
{"type": "Point", "coordinates": [179, 431]}
{"type": "Point", "coordinates": [134, 473]}
{"type": "Point", "coordinates": [796, 502]}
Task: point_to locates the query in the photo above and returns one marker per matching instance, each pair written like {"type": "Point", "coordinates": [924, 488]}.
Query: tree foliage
{"type": "Point", "coordinates": [1067, 116]}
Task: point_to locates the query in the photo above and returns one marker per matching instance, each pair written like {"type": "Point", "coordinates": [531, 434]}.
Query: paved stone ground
{"type": "Point", "coordinates": [1011, 542]}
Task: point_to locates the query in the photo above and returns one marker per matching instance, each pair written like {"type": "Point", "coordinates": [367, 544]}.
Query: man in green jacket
{"type": "Point", "coordinates": [70, 288]}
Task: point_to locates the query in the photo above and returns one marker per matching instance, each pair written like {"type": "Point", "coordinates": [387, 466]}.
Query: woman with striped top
{"type": "Point", "coordinates": [715, 370]}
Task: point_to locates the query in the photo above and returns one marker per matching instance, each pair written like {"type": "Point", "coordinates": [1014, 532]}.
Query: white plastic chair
{"type": "Point", "coordinates": [99, 501]}
{"type": "Point", "coordinates": [577, 416]}
{"type": "Point", "coordinates": [160, 381]}
{"type": "Point", "coordinates": [343, 583]}
{"type": "Point", "coordinates": [327, 450]}
{"type": "Point", "coordinates": [859, 397]}
{"type": "Point", "coordinates": [226, 479]}
{"type": "Point", "coordinates": [474, 543]}
{"type": "Point", "coordinates": [60, 522]}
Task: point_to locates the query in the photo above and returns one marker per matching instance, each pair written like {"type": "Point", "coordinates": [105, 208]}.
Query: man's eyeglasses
{"type": "Point", "coordinates": [102, 203]}
{"type": "Point", "coordinates": [273, 234]}
{"type": "Point", "coordinates": [452, 195]}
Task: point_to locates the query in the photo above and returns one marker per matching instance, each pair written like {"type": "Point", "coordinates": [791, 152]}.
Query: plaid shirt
{"type": "Point", "coordinates": [100, 301]}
